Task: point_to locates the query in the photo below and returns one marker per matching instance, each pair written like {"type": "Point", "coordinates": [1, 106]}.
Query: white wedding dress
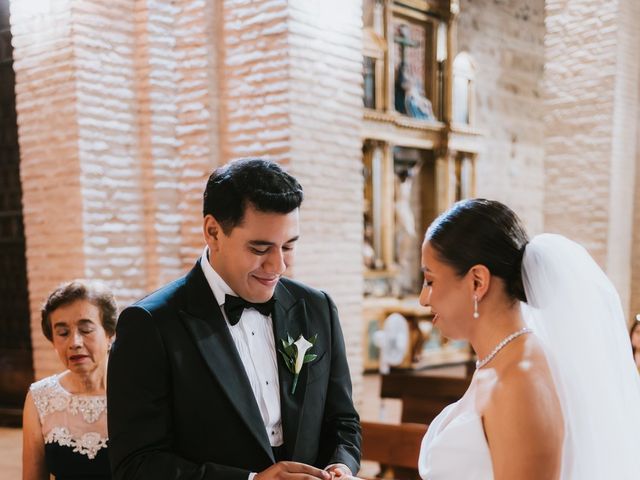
{"type": "Point", "coordinates": [575, 312]}
{"type": "Point", "coordinates": [455, 446]}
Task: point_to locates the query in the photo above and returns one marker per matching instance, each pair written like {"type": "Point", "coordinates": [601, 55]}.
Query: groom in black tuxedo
{"type": "Point", "coordinates": [197, 387]}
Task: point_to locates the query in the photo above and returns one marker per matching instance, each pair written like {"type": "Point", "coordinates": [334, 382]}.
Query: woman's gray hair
{"type": "Point", "coordinates": [93, 291]}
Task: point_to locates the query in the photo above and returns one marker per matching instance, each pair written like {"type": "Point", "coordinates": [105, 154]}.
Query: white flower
{"type": "Point", "coordinates": [302, 345]}
{"type": "Point", "coordinates": [295, 355]}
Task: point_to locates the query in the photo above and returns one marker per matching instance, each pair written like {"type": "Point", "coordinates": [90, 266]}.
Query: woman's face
{"type": "Point", "coordinates": [449, 295]}
{"type": "Point", "coordinates": [79, 337]}
{"type": "Point", "coordinates": [635, 336]}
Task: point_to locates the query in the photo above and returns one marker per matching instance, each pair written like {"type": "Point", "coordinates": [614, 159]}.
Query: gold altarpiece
{"type": "Point", "coordinates": [420, 145]}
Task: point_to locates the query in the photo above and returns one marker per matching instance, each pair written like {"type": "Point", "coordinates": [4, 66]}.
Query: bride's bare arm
{"type": "Point", "coordinates": [523, 424]}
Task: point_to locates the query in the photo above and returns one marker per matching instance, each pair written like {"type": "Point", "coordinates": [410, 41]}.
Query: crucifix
{"type": "Point", "coordinates": [403, 78]}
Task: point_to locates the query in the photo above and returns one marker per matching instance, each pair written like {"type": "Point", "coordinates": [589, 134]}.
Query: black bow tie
{"type": "Point", "coordinates": [234, 306]}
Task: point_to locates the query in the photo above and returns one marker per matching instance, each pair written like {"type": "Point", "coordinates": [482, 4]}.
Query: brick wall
{"type": "Point", "coordinates": [125, 107]}
{"type": "Point", "coordinates": [634, 304]}
{"type": "Point", "coordinates": [591, 103]}
{"type": "Point", "coordinates": [114, 104]}
{"type": "Point", "coordinates": [50, 166]}
{"type": "Point", "coordinates": [506, 41]}
{"type": "Point", "coordinates": [197, 31]}
{"type": "Point", "coordinates": [635, 254]}
{"type": "Point", "coordinates": [156, 93]}
{"type": "Point", "coordinates": [291, 91]}
{"type": "Point", "coordinates": [254, 80]}
{"type": "Point", "coordinates": [104, 39]}
{"type": "Point", "coordinates": [325, 112]}
{"type": "Point", "coordinates": [579, 94]}
{"type": "Point", "coordinates": [624, 149]}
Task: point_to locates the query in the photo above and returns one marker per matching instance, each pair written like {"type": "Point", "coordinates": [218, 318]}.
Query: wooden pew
{"type": "Point", "coordinates": [423, 396]}
{"type": "Point", "coordinates": [395, 447]}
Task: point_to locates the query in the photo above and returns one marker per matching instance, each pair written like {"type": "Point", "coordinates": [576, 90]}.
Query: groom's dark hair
{"type": "Point", "coordinates": [255, 181]}
{"type": "Point", "coordinates": [482, 232]}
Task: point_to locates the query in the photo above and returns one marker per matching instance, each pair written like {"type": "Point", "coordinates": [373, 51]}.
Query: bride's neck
{"type": "Point", "coordinates": [495, 324]}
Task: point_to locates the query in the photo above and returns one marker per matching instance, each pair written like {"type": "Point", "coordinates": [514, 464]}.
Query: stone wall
{"type": "Point", "coordinates": [506, 42]}
{"type": "Point", "coordinates": [591, 110]}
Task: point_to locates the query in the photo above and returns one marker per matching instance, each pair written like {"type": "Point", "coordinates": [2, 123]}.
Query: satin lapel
{"type": "Point", "coordinates": [206, 324]}
{"type": "Point", "coordinates": [290, 318]}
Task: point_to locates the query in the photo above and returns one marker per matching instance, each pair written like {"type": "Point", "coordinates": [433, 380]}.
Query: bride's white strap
{"type": "Point", "coordinates": [576, 312]}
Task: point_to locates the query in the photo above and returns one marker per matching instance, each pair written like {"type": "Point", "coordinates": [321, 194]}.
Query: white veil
{"type": "Point", "coordinates": [576, 312]}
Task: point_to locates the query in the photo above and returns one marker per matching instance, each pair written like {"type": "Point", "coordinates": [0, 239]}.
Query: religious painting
{"type": "Point", "coordinates": [414, 49]}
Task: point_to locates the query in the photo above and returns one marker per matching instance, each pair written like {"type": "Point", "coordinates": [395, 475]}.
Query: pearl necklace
{"type": "Point", "coordinates": [481, 363]}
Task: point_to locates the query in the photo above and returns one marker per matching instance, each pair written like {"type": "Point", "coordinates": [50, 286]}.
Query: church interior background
{"type": "Point", "coordinates": [388, 111]}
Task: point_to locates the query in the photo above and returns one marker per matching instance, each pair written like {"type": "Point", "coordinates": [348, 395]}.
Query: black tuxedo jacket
{"type": "Point", "coordinates": [179, 401]}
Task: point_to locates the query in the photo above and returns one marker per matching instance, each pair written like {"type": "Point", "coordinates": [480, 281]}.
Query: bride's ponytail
{"type": "Point", "coordinates": [515, 285]}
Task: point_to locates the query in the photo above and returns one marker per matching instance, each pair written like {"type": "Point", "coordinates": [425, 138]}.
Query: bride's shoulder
{"type": "Point", "coordinates": [522, 417]}
{"type": "Point", "coordinates": [525, 388]}
{"type": "Point", "coordinates": [523, 378]}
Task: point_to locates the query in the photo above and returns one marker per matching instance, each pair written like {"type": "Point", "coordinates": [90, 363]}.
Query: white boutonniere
{"type": "Point", "coordinates": [295, 355]}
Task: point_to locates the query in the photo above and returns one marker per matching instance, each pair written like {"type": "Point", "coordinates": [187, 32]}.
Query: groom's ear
{"type": "Point", "coordinates": [481, 278]}
{"type": "Point", "coordinates": [212, 231]}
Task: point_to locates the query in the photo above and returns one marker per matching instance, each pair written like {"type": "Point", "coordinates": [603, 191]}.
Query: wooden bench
{"type": "Point", "coordinates": [423, 396]}
{"type": "Point", "coordinates": [395, 447]}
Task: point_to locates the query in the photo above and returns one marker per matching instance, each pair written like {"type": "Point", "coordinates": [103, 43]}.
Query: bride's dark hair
{"type": "Point", "coordinates": [482, 232]}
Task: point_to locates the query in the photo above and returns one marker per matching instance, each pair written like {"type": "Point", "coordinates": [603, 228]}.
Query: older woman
{"type": "Point", "coordinates": [65, 417]}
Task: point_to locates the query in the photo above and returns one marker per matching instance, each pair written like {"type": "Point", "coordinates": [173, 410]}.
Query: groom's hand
{"type": "Point", "coordinates": [292, 471]}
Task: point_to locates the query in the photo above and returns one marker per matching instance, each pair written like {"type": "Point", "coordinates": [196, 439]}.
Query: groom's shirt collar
{"type": "Point", "coordinates": [254, 339]}
{"type": "Point", "coordinates": [218, 286]}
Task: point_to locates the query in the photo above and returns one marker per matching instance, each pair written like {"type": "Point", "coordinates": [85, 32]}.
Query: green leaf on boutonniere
{"type": "Point", "coordinates": [295, 355]}
{"type": "Point", "coordinates": [287, 361]}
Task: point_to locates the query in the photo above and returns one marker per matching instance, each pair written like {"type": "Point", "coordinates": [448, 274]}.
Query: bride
{"type": "Point", "coordinates": [555, 394]}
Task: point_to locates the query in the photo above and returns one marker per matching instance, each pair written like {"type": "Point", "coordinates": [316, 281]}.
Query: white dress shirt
{"type": "Point", "coordinates": [254, 340]}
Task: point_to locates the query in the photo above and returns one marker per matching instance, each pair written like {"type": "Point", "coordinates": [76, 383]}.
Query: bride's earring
{"type": "Point", "coordinates": [475, 307]}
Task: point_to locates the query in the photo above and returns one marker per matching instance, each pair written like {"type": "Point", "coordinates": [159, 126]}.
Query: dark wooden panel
{"type": "Point", "coordinates": [16, 366]}
{"type": "Point", "coordinates": [399, 385]}
{"type": "Point", "coordinates": [395, 447]}
{"type": "Point", "coordinates": [418, 409]}
{"type": "Point", "coordinates": [423, 397]}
